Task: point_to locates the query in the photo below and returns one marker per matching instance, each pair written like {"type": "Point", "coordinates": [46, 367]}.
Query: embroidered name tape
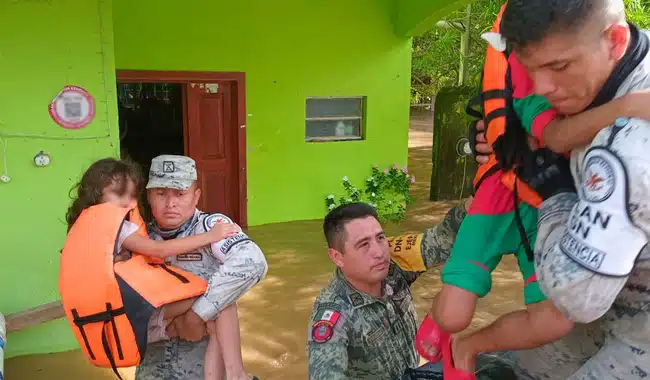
{"type": "Point", "coordinates": [189, 257]}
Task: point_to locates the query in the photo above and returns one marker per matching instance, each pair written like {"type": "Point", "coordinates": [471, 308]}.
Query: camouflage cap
{"type": "Point", "coordinates": [172, 172]}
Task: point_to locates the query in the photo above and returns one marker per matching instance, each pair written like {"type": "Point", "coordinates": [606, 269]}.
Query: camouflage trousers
{"type": "Point", "coordinates": [173, 360]}
{"type": "Point", "coordinates": [589, 352]}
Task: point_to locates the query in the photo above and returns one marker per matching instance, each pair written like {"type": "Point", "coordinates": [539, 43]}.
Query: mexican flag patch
{"type": "Point", "coordinates": [323, 329]}
{"type": "Point", "coordinates": [330, 316]}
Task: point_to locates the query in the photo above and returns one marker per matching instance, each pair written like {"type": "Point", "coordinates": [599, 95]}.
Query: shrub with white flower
{"type": "Point", "coordinates": [388, 191]}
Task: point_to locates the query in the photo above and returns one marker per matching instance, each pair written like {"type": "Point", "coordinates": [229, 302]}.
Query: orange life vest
{"type": "Point", "coordinates": [495, 95]}
{"type": "Point", "coordinates": [109, 305]}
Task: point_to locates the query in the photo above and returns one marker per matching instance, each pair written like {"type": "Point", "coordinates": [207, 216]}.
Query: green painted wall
{"type": "Point", "coordinates": [290, 51]}
{"type": "Point", "coordinates": [44, 46]}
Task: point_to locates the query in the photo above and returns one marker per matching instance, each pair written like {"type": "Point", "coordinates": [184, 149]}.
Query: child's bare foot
{"type": "Point", "coordinates": [464, 358]}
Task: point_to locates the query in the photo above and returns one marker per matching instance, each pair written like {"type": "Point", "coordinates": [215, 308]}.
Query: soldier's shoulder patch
{"type": "Point", "coordinates": [356, 299]}
{"type": "Point", "coordinates": [232, 241]}
{"type": "Point", "coordinates": [322, 329]}
{"type": "Point", "coordinates": [212, 219]}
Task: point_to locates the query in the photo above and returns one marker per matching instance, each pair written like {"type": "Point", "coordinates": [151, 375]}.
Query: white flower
{"type": "Point", "coordinates": [390, 202]}
{"type": "Point", "coordinates": [370, 179]}
{"type": "Point", "coordinates": [332, 206]}
{"type": "Point", "coordinates": [345, 179]}
{"type": "Point", "coordinates": [331, 196]}
{"type": "Point", "coordinates": [372, 194]}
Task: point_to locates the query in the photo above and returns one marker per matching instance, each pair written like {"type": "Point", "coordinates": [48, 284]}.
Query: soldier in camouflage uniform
{"type": "Point", "coordinates": [591, 255]}
{"type": "Point", "coordinates": [363, 323]}
{"type": "Point", "coordinates": [231, 267]}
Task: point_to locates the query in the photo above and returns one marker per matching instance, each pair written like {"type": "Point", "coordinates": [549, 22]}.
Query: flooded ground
{"type": "Point", "coordinates": [274, 315]}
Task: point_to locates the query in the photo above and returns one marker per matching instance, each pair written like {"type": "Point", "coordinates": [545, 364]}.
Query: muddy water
{"type": "Point", "coordinates": [274, 315]}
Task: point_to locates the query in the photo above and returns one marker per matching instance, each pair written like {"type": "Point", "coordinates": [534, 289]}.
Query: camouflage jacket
{"type": "Point", "coordinates": [353, 335]}
{"type": "Point", "coordinates": [231, 267]}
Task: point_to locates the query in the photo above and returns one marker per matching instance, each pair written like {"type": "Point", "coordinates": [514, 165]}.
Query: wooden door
{"type": "Point", "coordinates": [211, 137]}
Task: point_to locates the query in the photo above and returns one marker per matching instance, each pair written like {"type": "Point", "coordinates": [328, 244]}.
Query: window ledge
{"type": "Point", "coordinates": [333, 138]}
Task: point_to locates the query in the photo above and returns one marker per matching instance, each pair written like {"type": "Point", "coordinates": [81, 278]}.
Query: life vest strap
{"type": "Point", "coordinates": [104, 316]}
{"type": "Point", "coordinates": [107, 316]}
{"type": "Point", "coordinates": [520, 226]}
{"type": "Point", "coordinates": [472, 104]}
{"type": "Point", "coordinates": [499, 112]}
{"type": "Point", "coordinates": [167, 269]}
{"type": "Point", "coordinates": [478, 100]}
{"type": "Point", "coordinates": [495, 94]}
{"type": "Point", "coordinates": [107, 349]}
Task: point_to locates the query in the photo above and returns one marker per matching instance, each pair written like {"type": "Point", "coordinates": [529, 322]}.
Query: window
{"type": "Point", "coordinates": [334, 118]}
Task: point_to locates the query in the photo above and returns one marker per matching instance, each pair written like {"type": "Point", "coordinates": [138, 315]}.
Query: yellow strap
{"type": "Point", "coordinates": [407, 253]}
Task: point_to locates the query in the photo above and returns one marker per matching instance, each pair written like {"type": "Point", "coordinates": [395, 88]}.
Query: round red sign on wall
{"type": "Point", "coordinates": [72, 108]}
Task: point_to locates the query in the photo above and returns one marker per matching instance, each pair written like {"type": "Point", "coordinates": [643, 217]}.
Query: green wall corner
{"type": "Point", "coordinates": [45, 46]}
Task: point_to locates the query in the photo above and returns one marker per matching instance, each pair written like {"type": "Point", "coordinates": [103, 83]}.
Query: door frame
{"type": "Point", "coordinates": [239, 81]}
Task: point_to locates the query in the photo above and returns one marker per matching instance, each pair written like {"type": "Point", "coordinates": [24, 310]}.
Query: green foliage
{"type": "Point", "coordinates": [436, 54]}
{"type": "Point", "coordinates": [638, 12]}
{"type": "Point", "coordinates": [387, 191]}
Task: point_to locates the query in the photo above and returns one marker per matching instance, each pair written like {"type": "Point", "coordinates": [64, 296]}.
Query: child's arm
{"type": "Point", "coordinates": [561, 134]}
{"type": "Point", "coordinates": [173, 247]}
{"type": "Point", "coordinates": [565, 133]}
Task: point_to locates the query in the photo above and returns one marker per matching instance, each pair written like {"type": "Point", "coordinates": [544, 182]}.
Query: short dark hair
{"type": "Point", "coordinates": [335, 221]}
{"type": "Point", "coordinates": [526, 22]}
